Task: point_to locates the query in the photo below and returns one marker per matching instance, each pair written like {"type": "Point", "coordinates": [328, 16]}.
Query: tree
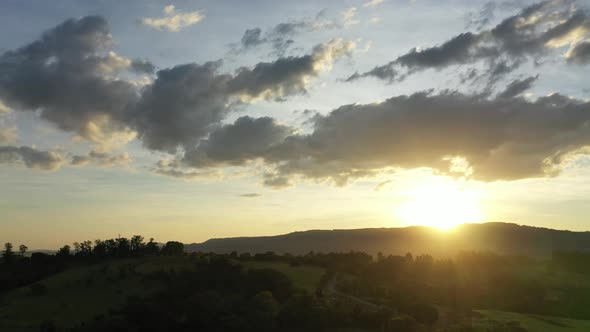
{"type": "Point", "coordinates": [7, 254]}
{"type": "Point", "coordinates": [173, 248]}
{"type": "Point", "coordinates": [151, 248]}
{"type": "Point", "coordinates": [22, 249]}
{"type": "Point", "coordinates": [64, 251]}
{"type": "Point", "coordinates": [137, 244]}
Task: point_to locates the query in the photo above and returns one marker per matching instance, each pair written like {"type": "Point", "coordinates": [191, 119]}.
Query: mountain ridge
{"type": "Point", "coordinates": [499, 237]}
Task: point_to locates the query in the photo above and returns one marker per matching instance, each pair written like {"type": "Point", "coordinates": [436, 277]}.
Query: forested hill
{"type": "Point", "coordinates": [502, 238]}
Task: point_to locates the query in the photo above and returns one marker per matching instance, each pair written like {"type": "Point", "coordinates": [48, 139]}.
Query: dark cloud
{"type": "Point", "coordinates": [184, 174]}
{"type": "Point", "coordinates": [142, 66]}
{"type": "Point", "coordinates": [69, 75]}
{"type": "Point", "coordinates": [489, 139]}
{"type": "Point", "coordinates": [102, 159]}
{"type": "Point", "coordinates": [30, 157]}
{"type": "Point", "coordinates": [280, 36]}
{"type": "Point", "coordinates": [287, 76]}
{"type": "Point", "coordinates": [487, 13]}
{"type": "Point", "coordinates": [580, 54]}
{"type": "Point", "coordinates": [251, 195]}
{"type": "Point", "coordinates": [181, 105]}
{"type": "Point", "coordinates": [187, 102]}
{"type": "Point", "coordinates": [235, 144]}
{"type": "Point", "coordinates": [517, 87]}
{"type": "Point", "coordinates": [501, 139]}
{"type": "Point", "coordinates": [530, 34]}
{"type": "Point", "coordinates": [252, 38]}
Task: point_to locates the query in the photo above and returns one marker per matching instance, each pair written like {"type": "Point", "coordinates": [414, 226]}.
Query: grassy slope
{"type": "Point", "coordinates": [80, 294]}
{"type": "Point", "coordinates": [71, 298]}
{"type": "Point", "coordinates": [533, 323]}
{"type": "Point", "coordinates": [305, 277]}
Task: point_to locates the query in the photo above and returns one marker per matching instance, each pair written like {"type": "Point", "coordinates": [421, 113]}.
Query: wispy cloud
{"type": "Point", "coordinates": [373, 3]}
{"type": "Point", "coordinates": [251, 195]}
{"type": "Point", "coordinates": [173, 20]}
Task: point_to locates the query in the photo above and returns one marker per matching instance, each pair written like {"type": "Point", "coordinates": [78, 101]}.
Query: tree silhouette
{"type": "Point", "coordinates": [22, 249]}
{"type": "Point", "coordinates": [7, 254]}
{"type": "Point", "coordinates": [64, 251]}
{"type": "Point", "coordinates": [173, 248]}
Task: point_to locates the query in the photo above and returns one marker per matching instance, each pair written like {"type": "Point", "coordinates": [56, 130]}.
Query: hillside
{"type": "Point", "coordinates": [503, 238]}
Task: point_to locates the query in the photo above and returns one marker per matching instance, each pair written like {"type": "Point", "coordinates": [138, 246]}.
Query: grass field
{"type": "Point", "coordinates": [305, 277]}
{"type": "Point", "coordinates": [80, 294]}
{"type": "Point", "coordinates": [533, 323]}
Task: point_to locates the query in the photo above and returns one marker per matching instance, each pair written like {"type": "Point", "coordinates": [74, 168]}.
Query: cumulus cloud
{"type": "Point", "coordinates": [70, 75]}
{"type": "Point", "coordinates": [235, 144]}
{"type": "Point", "coordinates": [173, 20]}
{"type": "Point", "coordinates": [186, 102]}
{"type": "Point", "coordinates": [102, 159]}
{"type": "Point", "coordinates": [500, 139]}
{"type": "Point", "coordinates": [30, 157]}
{"type": "Point", "coordinates": [73, 78]}
{"type": "Point", "coordinates": [531, 34]}
{"type": "Point", "coordinates": [491, 139]}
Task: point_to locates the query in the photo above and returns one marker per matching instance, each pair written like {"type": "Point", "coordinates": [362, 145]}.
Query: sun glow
{"type": "Point", "coordinates": [443, 204]}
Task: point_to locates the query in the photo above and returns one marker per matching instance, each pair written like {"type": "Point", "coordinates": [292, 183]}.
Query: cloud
{"type": "Point", "coordinates": [8, 135]}
{"type": "Point", "coordinates": [529, 35]}
{"type": "Point", "coordinates": [372, 3]}
{"type": "Point", "coordinates": [185, 174]}
{"type": "Point", "coordinates": [70, 76]}
{"type": "Point", "coordinates": [30, 157]}
{"type": "Point", "coordinates": [235, 144]}
{"type": "Point", "coordinates": [4, 109]}
{"type": "Point", "coordinates": [487, 13]}
{"type": "Point", "coordinates": [76, 82]}
{"type": "Point", "coordinates": [187, 102]}
{"type": "Point", "coordinates": [517, 87]}
{"type": "Point", "coordinates": [580, 54]}
{"type": "Point", "coordinates": [251, 195]}
{"type": "Point", "coordinates": [280, 37]}
{"type": "Point", "coordinates": [500, 139]}
{"type": "Point", "coordinates": [487, 139]}
{"type": "Point", "coordinates": [348, 17]}
{"type": "Point", "coordinates": [102, 159]}
{"type": "Point", "coordinates": [142, 66]}
{"type": "Point", "coordinates": [173, 19]}
{"type": "Point", "coordinates": [276, 181]}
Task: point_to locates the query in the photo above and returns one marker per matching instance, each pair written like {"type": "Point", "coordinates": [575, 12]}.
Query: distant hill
{"type": "Point", "coordinates": [502, 238]}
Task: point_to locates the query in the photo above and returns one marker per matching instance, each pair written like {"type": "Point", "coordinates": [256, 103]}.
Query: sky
{"type": "Point", "coordinates": [196, 119]}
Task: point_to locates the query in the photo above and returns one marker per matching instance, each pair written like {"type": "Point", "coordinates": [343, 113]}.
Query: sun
{"type": "Point", "coordinates": [440, 203]}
